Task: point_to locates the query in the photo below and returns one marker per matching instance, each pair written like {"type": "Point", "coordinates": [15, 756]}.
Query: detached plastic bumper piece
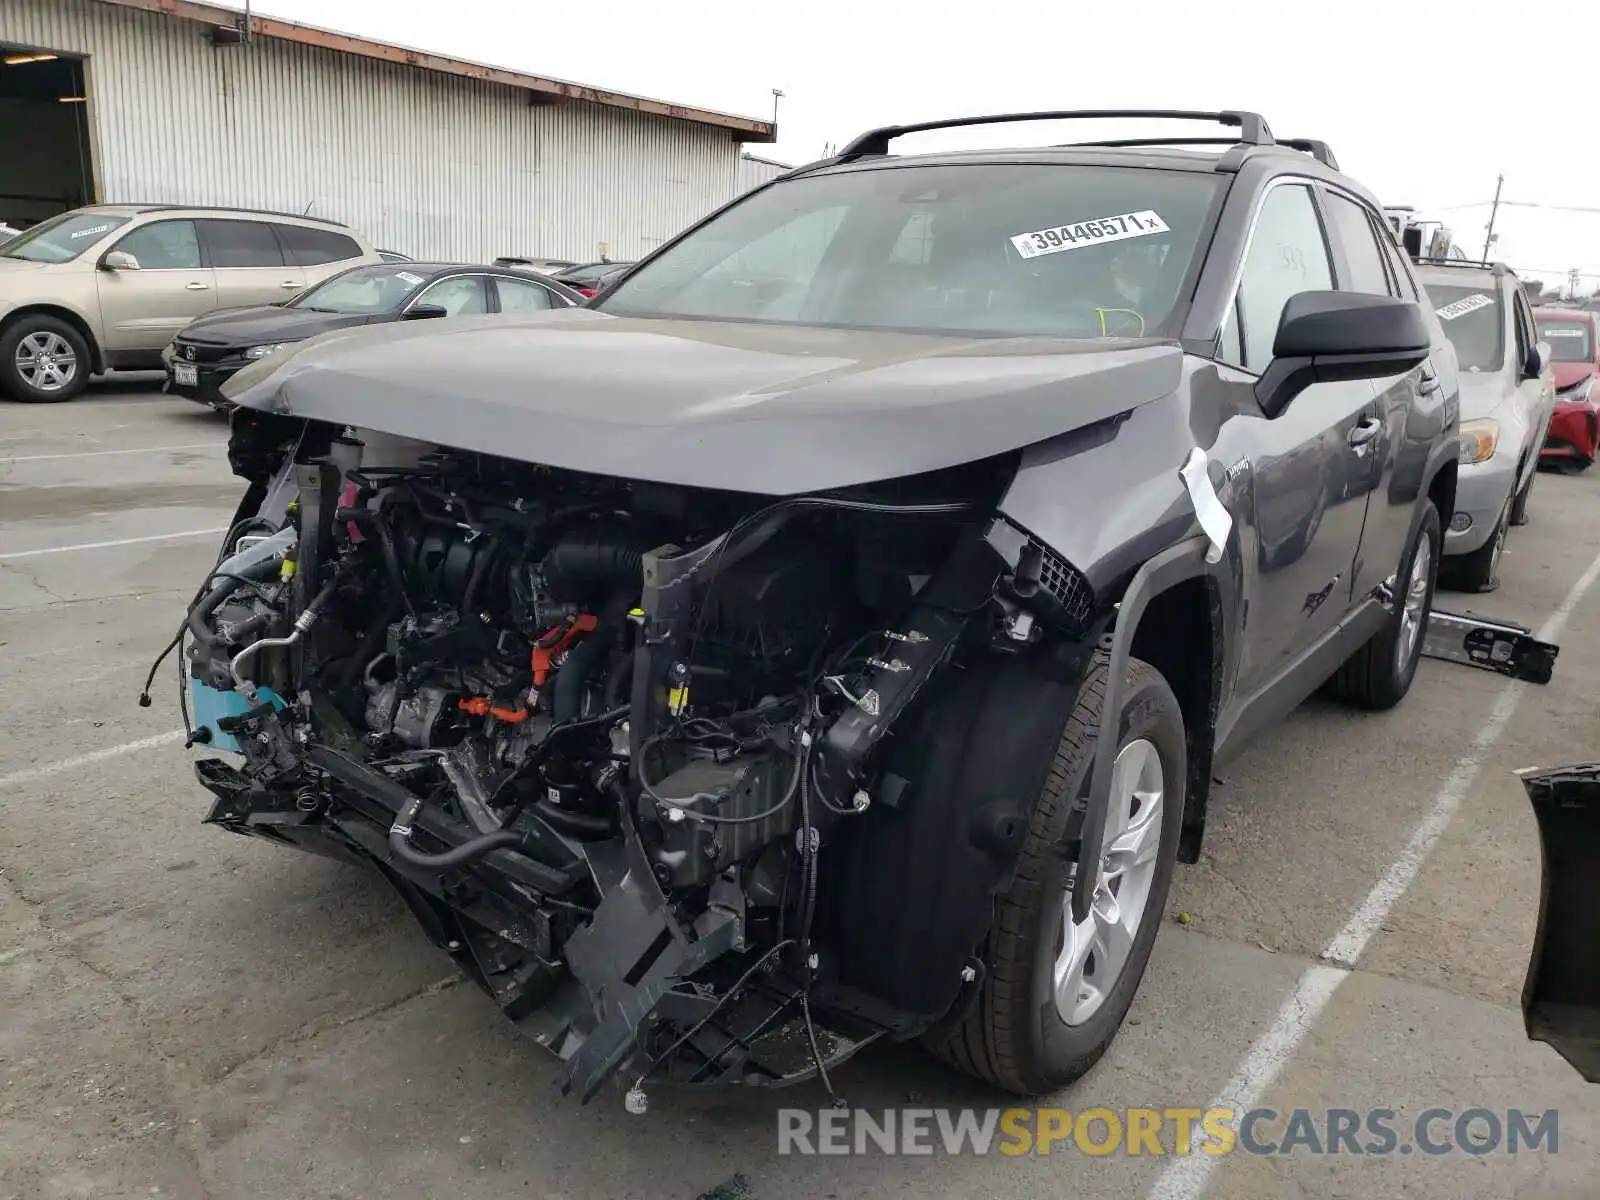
{"type": "Point", "coordinates": [1500, 646]}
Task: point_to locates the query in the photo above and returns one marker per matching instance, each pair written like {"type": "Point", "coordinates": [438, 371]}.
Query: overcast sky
{"type": "Point", "coordinates": [1424, 101]}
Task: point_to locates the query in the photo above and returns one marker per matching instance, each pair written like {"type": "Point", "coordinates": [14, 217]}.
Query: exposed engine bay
{"type": "Point", "coordinates": [631, 752]}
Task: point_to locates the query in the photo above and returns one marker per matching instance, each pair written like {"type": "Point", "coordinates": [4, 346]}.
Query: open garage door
{"type": "Point", "coordinates": [45, 163]}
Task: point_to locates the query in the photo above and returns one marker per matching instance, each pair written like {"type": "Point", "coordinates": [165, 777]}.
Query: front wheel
{"type": "Point", "coordinates": [1379, 675]}
{"type": "Point", "coordinates": [1519, 502]}
{"type": "Point", "coordinates": [1480, 570]}
{"type": "Point", "coordinates": [43, 359]}
{"type": "Point", "coordinates": [1057, 991]}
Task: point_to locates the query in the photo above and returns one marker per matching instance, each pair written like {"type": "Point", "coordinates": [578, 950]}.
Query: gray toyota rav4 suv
{"type": "Point", "coordinates": [829, 631]}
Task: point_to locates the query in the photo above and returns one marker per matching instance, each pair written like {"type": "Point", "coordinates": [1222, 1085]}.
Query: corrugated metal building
{"type": "Point", "coordinates": [754, 171]}
{"type": "Point", "coordinates": [172, 101]}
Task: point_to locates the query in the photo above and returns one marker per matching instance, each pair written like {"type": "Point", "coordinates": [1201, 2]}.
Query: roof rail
{"type": "Point", "coordinates": [1425, 260]}
{"type": "Point", "coordinates": [1252, 126]}
{"type": "Point", "coordinates": [223, 208]}
{"type": "Point", "coordinates": [1318, 150]}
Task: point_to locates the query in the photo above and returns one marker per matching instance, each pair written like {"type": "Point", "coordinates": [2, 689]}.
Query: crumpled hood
{"type": "Point", "coordinates": [22, 264]}
{"type": "Point", "coordinates": [769, 409]}
{"type": "Point", "coordinates": [1569, 373]}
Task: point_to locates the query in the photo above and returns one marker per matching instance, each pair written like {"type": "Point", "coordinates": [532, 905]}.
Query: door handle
{"type": "Point", "coordinates": [1365, 430]}
{"type": "Point", "coordinates": [289, 283]}
{"type": "Point", "coordinates": [197, 287]}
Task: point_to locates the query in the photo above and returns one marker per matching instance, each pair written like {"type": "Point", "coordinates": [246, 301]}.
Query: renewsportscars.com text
{"type": "Point", "coordinates": [1173, 1131]}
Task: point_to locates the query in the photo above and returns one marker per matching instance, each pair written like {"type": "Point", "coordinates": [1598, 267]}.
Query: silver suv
{"type": "Point", "coordinates": [1507, 396]}
{"type": "Point", "coordinates": [106, 288]}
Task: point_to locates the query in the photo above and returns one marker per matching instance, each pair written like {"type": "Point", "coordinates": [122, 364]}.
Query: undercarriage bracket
{"type": "Point", "coordinates": [1500, 646]}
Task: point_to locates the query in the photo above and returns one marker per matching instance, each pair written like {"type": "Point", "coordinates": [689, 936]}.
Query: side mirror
{"type": "Point", "coordinates": [1538, 360]}
{"type": "Point", "coordinates": [1329, 337]}
{"type": "Point", "coordinates": [119, 260]}
{"type": "Point", "coordinates": [426, 312]}
{"type": "Point", "coordinates": [1561, 991]}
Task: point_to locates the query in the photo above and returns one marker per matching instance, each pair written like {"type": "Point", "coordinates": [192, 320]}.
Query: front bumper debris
{"type": "Point", "coordinates": [1500, 646]}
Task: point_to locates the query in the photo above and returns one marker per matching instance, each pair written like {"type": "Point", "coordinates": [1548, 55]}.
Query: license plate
{"type": "Point", "coordinates": [185, 374]}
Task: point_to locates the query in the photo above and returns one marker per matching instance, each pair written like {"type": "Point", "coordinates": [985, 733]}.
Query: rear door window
{"type": "Point", "coordinates": [521, 295]}
{"type": "Point", "coordinates": [241, 244]}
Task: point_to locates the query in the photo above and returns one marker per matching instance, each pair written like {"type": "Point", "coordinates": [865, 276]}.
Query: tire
{"type": "Point", "coordinates": [1519, 502]}
{"type": "Point", "coordinates": [1014, 1037]}
{"type": "Point", "coordinates": [1378, 675]}
{"type": "Point", "coordinates": [1480, 570]}
{"type": "Point", "coordinates": [55, 339]}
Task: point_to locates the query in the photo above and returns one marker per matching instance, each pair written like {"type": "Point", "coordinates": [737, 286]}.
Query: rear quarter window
{"type": "Point", "coordinates": [316, 247]}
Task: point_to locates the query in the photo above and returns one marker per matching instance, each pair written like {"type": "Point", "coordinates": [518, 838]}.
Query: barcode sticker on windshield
{"type": "Point", "coordinates": [413, 280]}
{"type": "Point", "coordinates": [1463, 306]}
{"type": "Point", "coordinates": [82, 233]}
{"type": "Point", "coordinates": [1079, 234]}
{"type": "Point", "coordinates": [1554, 332]}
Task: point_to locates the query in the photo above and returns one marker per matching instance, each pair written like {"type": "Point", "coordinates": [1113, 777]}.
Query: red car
{"type": "Point", "coordinates": [1574, 339]}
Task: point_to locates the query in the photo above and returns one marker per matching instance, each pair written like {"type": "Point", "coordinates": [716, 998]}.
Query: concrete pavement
{"type": "Point", "coordinates": [188, 1014]}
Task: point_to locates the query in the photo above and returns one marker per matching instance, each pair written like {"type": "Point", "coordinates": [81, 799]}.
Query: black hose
{"type": "Point", "coordinates": [574, 824]}
{"type": "Point", "coordinates": [391, 559]}
{"type": "Point", "coordinates": [591, 558]}
{"type": "Point", "coordinates": [400, 843]}
{"type": "Point", "coordinates": [566, 698]}
{"type": "Point", "coordinates": [617, 683]}
{"type": "Point", "coordinates": [370, 640]}
{"type": "Point", "coordinates": [200, 614]}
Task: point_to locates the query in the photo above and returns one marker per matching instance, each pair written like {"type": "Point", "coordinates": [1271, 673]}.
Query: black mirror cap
{"type": "Point", "coordinates": [1329, 337]}
{"type": "Point", "coordinates": [426, 312]}
{"type": "Point", "coordinates": [1561, 991]}
{"type": "Point", "coordinates": [1535, 365]}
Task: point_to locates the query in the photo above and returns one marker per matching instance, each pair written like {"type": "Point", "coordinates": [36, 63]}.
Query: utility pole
{"type": "Point", "coordinates": [1494, 209]}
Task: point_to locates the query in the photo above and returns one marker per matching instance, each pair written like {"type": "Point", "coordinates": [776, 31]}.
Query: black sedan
{"type": "Point", "coordinates": [208, 351]}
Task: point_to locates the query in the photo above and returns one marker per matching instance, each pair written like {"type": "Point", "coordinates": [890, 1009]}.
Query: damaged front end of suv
{"type": "Point", "coordinates": [598, 732]}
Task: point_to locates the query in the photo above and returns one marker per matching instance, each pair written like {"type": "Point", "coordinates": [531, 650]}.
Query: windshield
{"type": "Point", "coordinates": [61, 239]}
{"type": "Point", "coordinates": [364, 291]}
{"type": "Point", "coordinates": [1471, 317]}
{"type": "Point", "coordinates": [1569, 341]}
{"type": "Point", "coordinates": [1014, 249]}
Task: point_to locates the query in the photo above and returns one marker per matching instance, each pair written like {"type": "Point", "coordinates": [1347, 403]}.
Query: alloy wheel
{"type": "Point", "coordinates": [1093, 953]}
{"type": "Point", "coordinates": [46, 361]}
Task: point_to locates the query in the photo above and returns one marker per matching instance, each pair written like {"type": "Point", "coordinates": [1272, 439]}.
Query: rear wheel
{"type": "Point", "coordinates": [1379, 675]}
{"type": "Point", "coordinates": [1057, 991]}
{"type": "Point", "coordinates": [43, 359]}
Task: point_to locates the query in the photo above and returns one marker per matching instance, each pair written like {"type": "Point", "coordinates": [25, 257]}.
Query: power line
{"type": "Point", "coordinates": [1575, 208]}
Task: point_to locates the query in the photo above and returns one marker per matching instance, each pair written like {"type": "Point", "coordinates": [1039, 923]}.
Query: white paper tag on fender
{"type": "Point", "coordinates": [1463, 306]}
{"type": "Point", "coordinates": [1214, 517]}
{"type": "Point", "coordinates": [1078, 234]}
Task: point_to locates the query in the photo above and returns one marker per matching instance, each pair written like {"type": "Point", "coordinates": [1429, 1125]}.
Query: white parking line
{"type": "Point", "coordinates": [98, 453]}
{"type": "Point", "coordinates": [33, 774]}
{"type": "Point", "coordinates": [154, 537]}
{"type": "Point", "coordinates": [1185, 1178]}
